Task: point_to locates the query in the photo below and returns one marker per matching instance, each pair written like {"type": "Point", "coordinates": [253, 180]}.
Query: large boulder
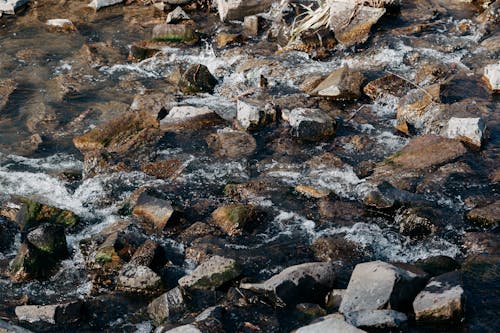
{"type": "Point", "coordinates": [238, 9]}
{"type": "Point", "coordinates": [168, 307]}
{"type": "Point", "coordinates": [441, 300]}
{"type": "Point", "coordinates": [342, 83]}
{"type": "Point", "coordinates": [308, 282]}
{"type": "Point", "coordinates": [211, 274]}
{"type": "Point", "coordinates": [378, 285]}
{"type": "Point", "coordinates": [309, 124]}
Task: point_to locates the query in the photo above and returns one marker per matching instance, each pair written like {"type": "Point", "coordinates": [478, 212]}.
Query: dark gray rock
{"type": "Point", "coordinates": [168, 307]}
{"type": "Point", "coordinates": [309, 124]}
{"type": "Point", "coordinates": [211, 274]}
{"type": "Point", "coordinates": [197, 79]}
{"type": "Point", "coordinates": [56, 314]}
{"type": "Point", "coordinates": [381, 319]}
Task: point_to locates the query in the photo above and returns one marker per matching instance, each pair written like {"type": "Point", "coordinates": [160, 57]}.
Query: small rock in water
{"type": "Point", "coordinates": [307, 282]}
{"type": "Point", "coordinates": [168, 307]}
{"type": "Point", "coordinates": [198, 79]}
{"type": "Point", "coordinates": [309, 124]}
{"type": "Point", "coordinates": [486, 216]}
{"type": "Point", "coordinates": [211, 274]}
{"type": "Point", "coordinates": [232, 219]}
{"type": "Point", "coordinates": [50, 239]}
{"type": "Point", "coordinates": [138, 278]}
{"type": "Point", "coordinates": [232, 144]}
{"type": "Point", "coordinates": [57, 314]}
{"type": "Point", "coordinates": [441, 300]}
{"type": "Point", "coordinates": [61, 25]}
{"type": "Point", "coordinates": [379, 285]}
{"type": "Point", "coordinates": [11, 6]}
{"type": "Point", "coordinates": [238, 9]}
{"type": "Point", "coordinates": [419, 107]}
{"type": "Point", "coordinates": [343, 83]}
{"type": "Point", "coordinates": [223, 39]}
{"type": "Point", "coordinates": [470, 130]}
{"type": "Point", "coordinates": [154, 210]}
{"type": "Point", "coordinates": [175, 33]}
{"type": "Point", "coordinates": [492, 76]}
{"type": "Point", "coordinates": [390, 87]}
{"type": "Point", "coordinates": [177, 15]}
{"type": "Point", "coordinates": [334, 323]}
{"type": "Point", "coordinates": [98, 4]}
{"type": "Point", "coordinates": [143, 50]}
{"type": "Point", "coordinates": [254, 114]}
{"type": "Point", "coordinates": [415, 222]}
{"type": "Point", "coordinates": [378, 319]}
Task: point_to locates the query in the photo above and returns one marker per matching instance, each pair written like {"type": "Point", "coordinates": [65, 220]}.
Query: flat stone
{"type": "Point", "coordinates": [309, 124]}
{"type": "Point", "coordinates": [174, 33]}
{"type": "Point", "coordinates": [307, 282]}
{"type": "Point", "coordinates": [441, 300]}
{"type": "Point", "coordinates": [378, 285]}
{"type": "Point", "coordinates": [376, 318]}
{"type": "Point", "coordinates": [343, 83]}
{"type": "Point", "coordinates": [390, 87]}
{"type": "Point", "coordinates": [10, 6]}
{"type": "Point", "coordinates": [334, 323]}
{"type": "Point", "coordinates": [254, 114]}
{"type": "Point", "coordinates": [470, 130]}
{"type": "Point", "coordinates": [182, 114]}
{"type": "Point", "coordinates": [155, 210]}
{"type": "Point", "coordinates": [65, 313]}
{"type": "Point", "coordinates": [168, 307]}
{"type": "Point", "coordinates": [211, 274]}
{"type": "Point", "coordinates": [98, 4]}
{"type": "Point", "coordinates": [232, 144]}
{"type": "Point", "coordinates": [238, 9]}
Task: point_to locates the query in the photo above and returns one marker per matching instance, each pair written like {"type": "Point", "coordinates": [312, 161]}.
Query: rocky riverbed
{"type": "Point", "coordinates": [208, 166]}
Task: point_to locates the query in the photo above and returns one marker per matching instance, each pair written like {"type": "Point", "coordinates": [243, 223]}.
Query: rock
{"type": "Point", "coordinates": [154, 210]}
{"type": "Point", "coordinates": [307, 282]}
{"type": "Point", "coordinates": [337, 248]}
{"type": "Point", "coordinates": [389, 87]}
{"type": "Point", "coordinates": [61, 25]}
{"type": "Point", "coordinates": [138, 278]}
{"type": "Point", "coordinates": [441, 300]}
{"type": "Point", "coordinates": [312, 192]}
{"type": "Point", "coordinates": [56, 314]}
{"type": "Point", "coordinates": [343, 83]}
{"type": "Point", "coordinates": [30, 263]}
{"type": "Point", "coordinates": [182, 329]}
{"type": "Point", "coordinates": [98, 4]}
{"type": "Point", "coordinates": [32, 213]}
{"type": "Point", "coordinates": [414, 222]}
{"type": "Point", "coordinates": [154, 103]}
{"type": "Point", "coordinates": [419, 107]}
{"type": "Point", "coordinates": [334, 323]}
{"type": "Point", "coordinates": [211, 274]}
{"type": "Point", "coordinates": [437, 265]}
{"type": "Point", "coordinates": [470, 130]}
{"type": "Point", "coordinates": [333, 299]}
{"type": "Point", "coordinates": [238, 9]}
{"type": "Point", "coordinates": [7, 87]}
{"type": "Point", "coordinates": [167, 169]}
{"type": "Point", "coordinates": [232, 144]}
{"type": "Point", "coordinates": [5, 327]}
{"type": "Point", "coordinates": [310, 124]}
{"type": "Point", "coordinates": [146, 254]}
{"type": "Point", "coordinates": [223, 39]}
{"type": "Point", "coordinates": [168, 307]}
{"type": "Point", "coordinates": [189, 118]}
{"type": "Point", "coordinates": [376, 319]}
{"type": "Point", "coordinates": [254, 114]}
{"type": "Point", "coordinates": [176, 16]}
{"type": "Point", "coordinates": [232, 219]}
{"type": "Point", "coordinates": [431, 73]}
{"type": "Point", "coordinates": [487, 216]}
{"type": "Point", "coordinates": [11, 6]}
{"type": "Point", "coordinates": [50, 239]}
{"type": "Point", "coordinates": [378, 285]}
{"type": "Point", "coordinates": [251, 25]}
{"type": "Point", "coordinates": [175, 33]}
{"type": "Point", "coordinates": [198, 79]}
{"type": "Point", "coordinates": [143, 50]}
{"type": "Point", "coordinates": [7, 234]}
{"type": "Point", "coordinates": [427, 151]}
{"type": "Point", "coordinates": [482, 242]}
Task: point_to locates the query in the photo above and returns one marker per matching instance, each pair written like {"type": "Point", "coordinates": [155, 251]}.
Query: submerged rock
{"type": "Point", "coordinates": [334, 323]}
{"type": "Point", "coordinates": [470, 130]}
{"type": "Point", "coordinates": [238, 9]}
{"type": "Point", "coordinates": [168, 307]}
{"type": "Point", "coordinates": [98, 4]}
{"type": "Point", "coordinates": [197, 79]}
{"type": "Point", "coordinates": [492, 76]}
{"type": "Point", "coordinates": [441, 300]}
{"type": "Point", "coordinates": [232, 144]}
{"type": "Point", "coordinates": [379, 285]}
{"type": "Point", "coordinates": [307, 282]}
{"type": "Point", "coordinates": [343, 83]}
{"type": "Point", "coordinates": [57, 314]}
{"type": "Point", "coordinates": [309, 124]}
{"type": "Point", "coordinates": [211, 274]}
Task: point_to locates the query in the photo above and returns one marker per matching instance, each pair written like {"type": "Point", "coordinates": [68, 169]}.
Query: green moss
{"type": "Point", "coordinates": [237, 214]}
{"type": "Point", "coordinates": [172, 38]}
{"type": "Point", "coordinates": [104, 256]}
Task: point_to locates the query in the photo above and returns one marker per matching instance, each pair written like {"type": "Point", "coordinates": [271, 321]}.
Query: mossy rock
{"type": "Point", "coordinates": [50, 239]}
{"type": "Point", "coordinates": [233, 218]}
{"type": "Point", "coordinates": [33, 213]}
{"type": "Point", "coordinates": [174, 33]}
{"type": "Point", "coordinates": [31, 263]}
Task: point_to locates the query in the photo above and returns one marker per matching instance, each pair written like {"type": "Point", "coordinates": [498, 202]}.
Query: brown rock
{"type": "Point", "coordinates": [7, 87]}
{"type": "Point", "coordinates": [167, 169]}
{"type": "Point", "coordinates": [487, 216]}
{"type": "Point", "coordinates": [233, 218]}
{"type": "Point", "coordinates": [154, 210]}
{"type": "Point", "coordinates": [233, 144]}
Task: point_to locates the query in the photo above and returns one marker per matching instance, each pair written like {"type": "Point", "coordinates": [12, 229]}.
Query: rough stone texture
{"type": "Point", "coordinates": [438, 265]}
{"type": "Point", "coordinates": [145, 254]}
{"type": "Point", "coordinates": [307, 282]}
{"type": "Point", "coordinates": [50, 239]}
{"type": "Point", "coordinates": [389, 87]}
{"type": "Point", "coordinates": [342, 83]}
{"type": "Point", "coordinates": [165, 169]}
{"type": "Point", "coordinates": [470, 130]}
{"type": "Point", "coordinates": [184, 329]}
{"type": "Point", "coordinates": [10, 6]}
{"type": "Point", "coordinates": [358, 30]}
{"type": "Point", "coordinates": [376, 318]}
{"type": "Point", "coordinates": [253, 114]}
{"type": "Point", "coordinates": [427, 151]}
{"type": "Point", "coordinates": [61, 25]}
{"type": "Point", "coordinates": [419, 107]}
{"type": "Point", "coordinates": [168, 307]}
{"type": "Point", "coordinates": [232, 144]}
{"type": "Point", "coordinates": [251, 25]}
{"type": "Point", "coordinates": [177, 15]}
{"type": "Point", "coordinates": [414, 222]}
{"type": "Point", "coordinates": [197, 79]}
{"type": "Point", "coordinates": [238, 9]}
{"type": "Point", "coordinates": [65, 313]}
{"type": "Point", "coordinates": [334, 298]}
{"type": "Point", "coordinates": [174, 33]}
{"type": "Point", "coordinates": [98, 4]}
{"type": "Point", "coordinates": [334, 323]}
{"type": "Point", "coordinates": [211, 274]}
{"type": "Point", "coordinates": [155, 210]}
{"type": "Point", "coordinates": [7, 87]}
{"type": "Point", "coordinates": [155, 103]}
{"type": "Point", "coordinates": [441, 300]}
{"type": "Point", "coordinates": [492, 76]}
{"type": "Point", "coordinates": [487, 216]}
{"type": "Point", "coordinates": [309, 124]}
{"type": "Point", "coordinates": [138, 278]}
{"type": "Point", "coordinates": [189, 118]}
{"type": "Point", "coordinates": [232, 219]}
{"type": "Point", "coordinates": [32, 213]}
{"type": "Point", "coordinates": [379, 285]}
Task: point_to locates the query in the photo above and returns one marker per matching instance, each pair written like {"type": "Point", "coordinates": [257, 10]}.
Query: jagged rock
{"type": "Point", "coordinates": [414, 222]}
{"type": "Point", "coordinates": [223, 39]}
{"type": "Point", "coordinates": [358, 29]}
{"type": "Point", "coordinates": [61, 25]}
{"type": "Point", "coordinates": [254, 114]}
{"type": "Point", "coordinates": [30, 263]}
{"type": "Point", "coordinates": [56, 314]}
{"type": "Point", "coordinates": [232, 219]}
{"type": "Point", "coordinates": [154, 210]}
{"type": "Point", "coordinates": [153, 102]}
{"type": "Point", "coordinates": [251, 25]}
{"type": "Point", "coordinates": [98, 4]}
{"type": "Point", "coordinates": [11, 6]}
{"type": "Point", "coordinates": [176, 16]}
{"type": "Point", "coordinates": [307, 282]}
{"type": "Point", "coordinates": [334, 323]}
{"type": "Point", "coordinates": [168, 307]}
{"type": "Point", "coordinates": [197, 79]}
{"type": "Point", "coordinates": [419, 107]}
{"type": "Point", "coordinates": [7, 87]}
{"type": "Point", "coordinates": [138, 278]}
{"type": "Point", "coordinates": [309, 124]}
{"type": "Point", "coordinates": [379, 285]}
{"type": "Point", "coordinates": [342, 83]}
{"type": "Point", "coordinates": [470, 130]}
{"type": "Point", "coordinates": [50, 239]}
{"type": "Point", "coordinates": [32, 213]}
{"type": "Point", "coordinates": [379, 319]}
{"type": "Point", "coordinates": [487, 216]}
{"type": "Point", "coordinates": [175, 33]}
{"type": "Point", "coordinates": [441, 300]}
{"type": "Point", "coordinates": [211, 274]}
{"type": "Point", "coordinates": [238, 9]}
{"type": "Point", "coordinates": [232, 144]}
